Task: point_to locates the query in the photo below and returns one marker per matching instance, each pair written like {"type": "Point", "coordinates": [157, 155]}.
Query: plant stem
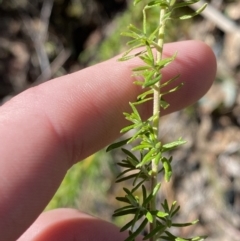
{"type": "Point", "coordinates": [156, 113]}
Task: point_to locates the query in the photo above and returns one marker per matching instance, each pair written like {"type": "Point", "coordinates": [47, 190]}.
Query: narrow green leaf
{"type": "Point", "coordinates": [127, 57]}
{"type": "Point", "coordinates": [138, 185]}
{"type": "Point", "coordinates": [173, 206]}
{"type": "Point", "coordinates": [132, 161]}
{"type": "Point", "coordinates": [172, 90]}
{"type": "Point", "coordinates": [172, 145]}
{"type": "Point", "coordinates": [147, 200]}
{"type": "Point", "coordinates": [194, 14]}
{"type": "Point", "coordinates": [141, 68]}
{"type": "Point", "coordinates": [170, 235]}
{"type": "Point", "coordinates": [161, 214]}
{"type": "Point", "coordinates": [164, 104]}
{"type": "Point", "coordinates": [143, 175]}
{"type": "Point", "coordinates": [134, 118]}
{"type": "Point", "coordinates": [125, 212]}
{"type": "Point", "coordinates": [123, 199]}
{"type": "Point", "coordinates": [181, 239]}
{"type": "Point", "coordinates": [126, 226]}
{"type": "Point", "coordinates": [133, 28]}
{"type": "Point", "coordinates": [146, 59]}
{"type": "Point", "coordinates": [149, 217]}
{"type": "Point", "coordinates": [137, 135]}
{"type": "Point", "coordinates": [161, 3]}
{"type": "Point", "coordinates": [123, 208]}
{"type": "Point", "coordinates": [125, 165]}
{"type": "Point", "coordinates": [184, 4]}
{"type": "Point", "coordinates": [144, 192]}
{"type": "Point", "coordinates": [146, 93]}
{"type": "Point", "coordinates": [141, 147]}
{"type": "Point", "coordinates": [127, 191]}
{"type": "Point", "coordinates": [151, 195]}
{"type": "Point", "coordinates": [130, 127]}
{"type": "Point", "coordinates": [132, 200]}
{"type": "Point", "coordinates": [156, 46]}
{"type": "Point", "coordinates": [133, 43]}
{"type": "Point", "coordinates": [172, 3]}
{"type": "Point", "coordinates": [138, 83]}
{"type": "Point", "coordinates": [167, 16]}
{"type": "Point", "coordinates": [127, 128]}
{"type": "Point", "coordinates": [154, 33]}
{"type": "Point", "coordinates": [124, 172]}
{"type": "Point", "coordinates": [175, 211]}
{"type": "Point", "coordinates": [157, 158]}
{"type": "Point", "coordinates": [131, 49]}
{"type": "Point", "coordinates": [124, 162]}
{"type": "Point", "coordinates": [135, 111]}
{"type": "Point", "coordinates": [199, 238]}
{"type": "Point", "coordinates": [137, 177]}
{"type": "Point", "coordinates": [158, 229]}
{"type": "Point", "coordinates": [138, 231]}
{"type": "Point", "coordinates": [170, 81]}
{"type": "Point", "coordinates": [132, 222]}
{"type": "Point", "coordinates": [184, 224]}
{"type": "Point", "coordinates": [148, 75]}
{"type": "Point", "coordinates": [137, 216]}
{"type": "Point", "coordinates": [136, 2]}
{"type": "Point", "coordinates": [143, 101]}
{"type": "Point", "coordinates": [147, 158]}
{"type": "Point", "coordinates": [126, 178]}
{"type": "Point", "coordinates": [153, 81]}
{"type": "Point", "coordinates": [167, 169]}
{"type": "Point", "coordinates": [131, 155]}
{"type": "Point", "coordinates": [150, 53]}
{"type": "Point", "coordinates": [117, 145]}
{"type": "Point", "coordinates": [166, 61]}
{"type": "Point", "coordinates": [165, 206]}
{"type": "Point", "coordinates": [156, 188]}
{"type": "Point", "coordinates": [130, 34]}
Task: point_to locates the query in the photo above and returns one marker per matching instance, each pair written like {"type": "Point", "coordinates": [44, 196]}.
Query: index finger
{"type": "Point", "coordinates": [48, 128]}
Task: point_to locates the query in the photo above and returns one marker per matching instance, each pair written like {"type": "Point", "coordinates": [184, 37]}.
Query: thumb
{"type": "Point", "coordinates": [71, 225]}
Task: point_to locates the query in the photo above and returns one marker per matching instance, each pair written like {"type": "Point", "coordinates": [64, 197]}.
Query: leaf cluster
{"type": "Point", "coordinates": [140, 170]}
{"type": "Point", "coordinates": [148, 150]}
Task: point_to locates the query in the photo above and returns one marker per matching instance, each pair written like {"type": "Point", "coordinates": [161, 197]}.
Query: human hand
{"type": "Point", "coordinates": [48, 128]}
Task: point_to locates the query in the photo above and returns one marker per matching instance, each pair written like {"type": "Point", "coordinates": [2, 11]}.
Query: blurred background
{"type": "Point", "coordinates": [43, 39]}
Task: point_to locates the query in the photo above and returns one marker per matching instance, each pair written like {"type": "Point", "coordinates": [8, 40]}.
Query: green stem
{"type": "Point", "coordinates": [156, 113]}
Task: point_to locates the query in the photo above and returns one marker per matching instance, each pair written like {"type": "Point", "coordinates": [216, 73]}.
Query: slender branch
{"type": "Point", "coordinates": [156, 113]}
{"type": "Point", "coordinates": [150, 150]}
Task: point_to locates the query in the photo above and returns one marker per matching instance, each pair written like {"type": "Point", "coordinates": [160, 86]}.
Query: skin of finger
{"type": "Point", "coordinates": [48, 128]}
{"type": "Point", "coordinates": [69, 225]}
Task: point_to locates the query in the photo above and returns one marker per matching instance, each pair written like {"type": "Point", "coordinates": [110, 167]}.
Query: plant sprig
{"type": "Point", "coordinates": [147, 160]}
